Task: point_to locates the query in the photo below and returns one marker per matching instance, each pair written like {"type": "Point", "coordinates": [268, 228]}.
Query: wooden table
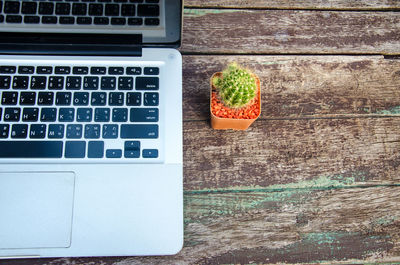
{"type": "Point", "coordinates": [317, 177]}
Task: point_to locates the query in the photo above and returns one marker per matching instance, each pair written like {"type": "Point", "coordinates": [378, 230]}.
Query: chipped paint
{"type": "Point", "coordinates": [391, 111]}
{"type": "Point", "coordinates": [189, 12]}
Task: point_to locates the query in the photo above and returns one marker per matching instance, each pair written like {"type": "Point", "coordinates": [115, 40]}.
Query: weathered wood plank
{"type": "Point", "coordinates": [292, 4]}
{"type": "Point", "coordinates": [302, 86]}
{"type": "Point", "coordinates": [237, 31]}
{"type": "Point", "coordinates": [364, 151]}
{"type": "Point", "coordinates": [290, 226]}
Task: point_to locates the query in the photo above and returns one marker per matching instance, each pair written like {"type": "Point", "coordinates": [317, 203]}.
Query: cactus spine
{"type": "Point", "coordinates": [237, 86]}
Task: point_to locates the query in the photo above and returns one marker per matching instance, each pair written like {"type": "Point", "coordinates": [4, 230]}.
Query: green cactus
{"type": "Point", "coordinates": [237, 86]}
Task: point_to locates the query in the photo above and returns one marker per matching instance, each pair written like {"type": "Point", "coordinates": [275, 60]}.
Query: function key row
{"type": "Point", "coordinates": [80, 9]}
{"type": "Point", "coordinates": [79, 70]}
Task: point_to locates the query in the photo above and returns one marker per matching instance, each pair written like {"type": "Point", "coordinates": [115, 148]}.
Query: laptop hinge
{"type": "Point", "coordinates": [71, 44]}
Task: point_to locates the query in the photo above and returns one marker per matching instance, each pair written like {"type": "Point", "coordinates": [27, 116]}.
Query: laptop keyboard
{"type": "Point", "coordinates": [79, 111]}
{"type": "Point", "coordinates": [128, 13]}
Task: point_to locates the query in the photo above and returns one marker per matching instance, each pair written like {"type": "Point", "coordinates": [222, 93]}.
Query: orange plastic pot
{"type": "Point", "coordinates": [232, 123]}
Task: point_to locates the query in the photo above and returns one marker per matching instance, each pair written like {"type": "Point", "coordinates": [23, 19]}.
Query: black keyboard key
{"type": "Point", "coordinates": [56, 82]}
{"type": "Point", "coordinates": [11, 7]}
{"type": "Point", "coordinates": [56, 131]}
{"type": "Point", "coordinates": [91, 83]}
{"type": "Point", "coordinates": [115, 70]}
{"type": "Point", "coordinates": [46, 8]}
{"type": "Point", "coordinates": [144, 115]}
{"type": "Point", "coordinates": [98, 99]}
{"type": "Point", "coordinates": [26, 69]}
{"type": "Point", "coordinates": [31, 19]}
{"type": "Point", "coordinates": [14, 19]}
{"type": "Point", "coordinates": [118, 21]}
{"type": "Point", "coordinates": [116, 99]}
{"type": "Point", "coordinates": [27, 98]}
{"type": "Point", "coordinates": [147, 83]}
{"type": "Point", "coordinates": [4, 131]}
{"type": "Point", "coordinates": [63, 98]}
{"type": "Point", "coordinates": [151, 99]}
{"type": "Point", "coordinates": [102, 115]}
{"type": "Point", "coordinates": [133, 71]}
{"type": "Point", "coordinates": [75, 149]}
{"type": "Point", "coordinates": [84, 115]}
{"type": "Point", "coordinates": [48, 114]}
{"type": "Point", "coordinates": [5, 69]}
{"type": "Point", "coordinates": [66, 115]}
{"type": "Point", "coordinates": [31, 149]}
{"type": "Point", "coordinates": [125, 83]}
{"type": "Point", "coordinates": [44, 70]}
{"type": "Point", "coordinates": [74, 131]}
{"type": "Point", "coordinates": [84, 20]}
{"type": "Point", "coordinates": [38, 82]}
{"type": "Point", "coordinates": [73, 83]}
{"type": "Point", "coordinates": [81, 98]}
{"type": "Point", "coordinates": [63, 8]}
{"type": "Point", "coordinates": [30, 114]}
{"type": "Point", "coordinates": [132, 149]}
{"type": "Point", "coordinates": [152, 21]}
{"type": "Point", "coordinates": [5, 81]}
{"type": "Point", "coordinates": [110, 131]}
{"type": "Point", "coordinates": [67, 20]}
{"type": "Point", "coordinates": [150, 153]}
{"type": "Point", "coordinates": [80, 70]}
{"type": "Point", "coordinates": [92, 131]}
{"type": "Point", "coordinates": [108, 83]}
{"type": "Point", "coordinates": [134, 99]}
{"type": "Point", "coordinates": [37, 131]}
{"type": "Point", "coordinates": [9, 98]}
{"type": "Point", "coordinates": [20, 82]}
{"type": "Point", "coordinates": [98, 70]}
{"type": "Point", "coordinates": [95, 10]}
{"type": "Point", "coordinates": [63, 70]}
{"type": "Point", "coordinates": [49, 20]}
{"type": "Point", "coordinates": [120, 115]}
{"type": "Point", "coordinates": [135, 21]}
{"type": "Point", "coordinates": [19, 131]}
{"type": "Point", "coordinates": [139, 131]}
{"type": "Point", "coordinates": [148, 10]}
{"type": "Point", "coordinates": [79, 9]}
{"type": "Point", "coordinates": [136, 1]}
{"type": "Point", "coordinates": [1, 113]}
{"type": "Point", "coordinates": [151, 71]}
{"type": "Point", "coordinates": [101, 21]}
{"type": "Point", "coordinates": [12, 114]}
{"type": "Point", "coordinates": [45, 98]}
{"type": "Point", "coordinates": [152, 1]}
{"type": "Point", "coordinates": [114, 153]}
{"type": "Point", "coordinates": [112, 10]}
{"type": "Point", "coordinates": [128, 10]}
{"type": "Point", "coordinates": [95, 149]}
{"type": "Point", "coordinates": [1, 18]}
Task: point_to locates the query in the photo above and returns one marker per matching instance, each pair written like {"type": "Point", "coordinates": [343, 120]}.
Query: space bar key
{"type": "Point", "coordinates": [31, 149]}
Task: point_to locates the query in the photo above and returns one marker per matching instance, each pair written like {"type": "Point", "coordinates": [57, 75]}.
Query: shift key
{"type": "Point", "coordinates": [144, 115]}
{"type": "Point", "coordinates": [139, 131]}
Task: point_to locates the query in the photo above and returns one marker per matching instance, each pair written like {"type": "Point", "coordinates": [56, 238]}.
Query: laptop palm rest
{"type": "Point", "coordinates": [36, 209]}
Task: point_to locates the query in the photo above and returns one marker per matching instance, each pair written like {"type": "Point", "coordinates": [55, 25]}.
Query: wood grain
{"type": "Point", "coordinates": [237, 31]}
{"type": "Point", "coordinates": [291, 226]}
{"type": "Point", "coordinates": [363, 151]}
{"type": "Point", "coordinates": [292, 4]}
{"type": "Point", "coordinates": [303, 86]}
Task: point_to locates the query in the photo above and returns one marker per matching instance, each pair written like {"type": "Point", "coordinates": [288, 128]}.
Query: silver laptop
{"type": "Point", "coordinates": [90, 128]}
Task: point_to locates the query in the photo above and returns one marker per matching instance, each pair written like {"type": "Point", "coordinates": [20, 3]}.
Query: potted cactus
{"type": "Point", "coordinates": [235, 101]}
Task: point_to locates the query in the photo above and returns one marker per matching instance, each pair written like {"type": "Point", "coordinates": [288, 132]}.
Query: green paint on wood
{"type": "Point", "coordinates": [188, 12]}
{"type": "Point", "coordinates": [391, 111]}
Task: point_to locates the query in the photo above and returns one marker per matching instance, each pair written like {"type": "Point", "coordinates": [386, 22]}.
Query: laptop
{"type": "Point", "coordinates": [90, 128]}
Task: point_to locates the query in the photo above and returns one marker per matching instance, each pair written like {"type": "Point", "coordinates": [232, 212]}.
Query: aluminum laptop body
{"type": "Point", "coordinates": [90, 128]}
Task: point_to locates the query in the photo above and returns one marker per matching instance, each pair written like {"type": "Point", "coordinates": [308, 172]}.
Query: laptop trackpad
{"type": "Point", "coordinates": [36, 209]}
